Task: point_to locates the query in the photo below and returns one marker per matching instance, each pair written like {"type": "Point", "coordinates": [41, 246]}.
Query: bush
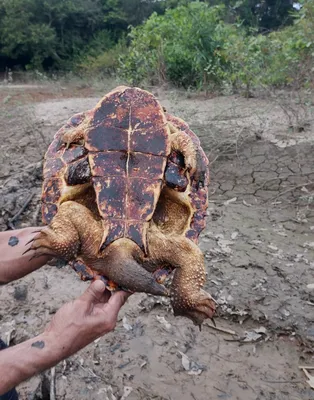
{"type": "Point", "coordinates": [182, 46]}
{"type": "Point", "coordinates": [281, 58]}
{"type": "Point", "coordinates": [101, 55]}
{"type": "Point", "coordinates": [104, 64]}
{"type": "Point", "coordinates": [192, 46]}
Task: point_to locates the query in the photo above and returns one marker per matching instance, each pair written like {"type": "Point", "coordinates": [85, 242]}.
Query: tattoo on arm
{"type": "Point", "coordinates": [40, 344]}
{"type": "Point", "coordinates": [13, 241]}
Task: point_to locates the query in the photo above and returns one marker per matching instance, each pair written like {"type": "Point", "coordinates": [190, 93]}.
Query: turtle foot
{"type": "Point", "coordinates": [72, 230]}
{"type": "Point", "coordinates": [49, 242]}
{"type": "Point", "coordinates": [197, 307]}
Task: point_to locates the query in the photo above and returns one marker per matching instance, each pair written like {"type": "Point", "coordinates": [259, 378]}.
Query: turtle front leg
{"type": "Point", "coordinates": [187, 296]}
{"type": "Point", "coordinates": [193, 160]}
{"type": "Point", "coordinates": [72, 230]}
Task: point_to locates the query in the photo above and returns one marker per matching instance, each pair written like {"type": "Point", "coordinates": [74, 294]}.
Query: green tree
{"type": "Point", "coordinates": [23, 36]}
{"type": "Point", "coordinates": [52, 32]}
{"type": "Point", "coordinates": [137, 11]}
{"type": "Point", "coordinates": [183, 46]}
{"type": "Point", "coordinates": [265, 15]}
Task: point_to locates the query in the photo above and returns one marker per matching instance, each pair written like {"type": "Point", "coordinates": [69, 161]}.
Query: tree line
{"type": "Point", "coordinates": [62, 34]}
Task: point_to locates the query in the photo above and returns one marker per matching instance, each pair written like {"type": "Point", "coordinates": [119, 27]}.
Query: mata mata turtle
{"type": "Point", "coordinates": [125, 197]}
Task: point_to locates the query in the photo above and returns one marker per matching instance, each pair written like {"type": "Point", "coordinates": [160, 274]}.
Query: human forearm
{"type": "Point", "coordinates": [21, 362]}
{"type": "Point", "coordinates": [73, 327]}
{"type": "Point", "coordinates": [13, 264]}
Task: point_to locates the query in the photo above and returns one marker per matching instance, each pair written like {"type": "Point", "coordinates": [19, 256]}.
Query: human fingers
{"type": "Point", "coordinates": [116, 301]}
{"type": "Point", "coordinates": [94, 293]}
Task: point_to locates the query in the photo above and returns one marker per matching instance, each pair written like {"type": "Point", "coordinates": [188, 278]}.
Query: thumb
{"type": "Point", "coordinates": [94, 293]}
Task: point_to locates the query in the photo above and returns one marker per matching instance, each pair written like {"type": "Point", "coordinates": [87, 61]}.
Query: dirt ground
{"type": "Point", "coordinates": [258, 244]}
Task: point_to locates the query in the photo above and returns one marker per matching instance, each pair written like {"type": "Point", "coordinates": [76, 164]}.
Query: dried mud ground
{"type": "Point", "coordinates": [258, 244]}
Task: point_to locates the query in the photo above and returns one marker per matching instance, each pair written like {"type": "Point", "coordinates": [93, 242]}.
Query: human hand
{"type": "Point", "coordinates": [85, 319]}
{"type": "Point", "coordinates": [73, 327]}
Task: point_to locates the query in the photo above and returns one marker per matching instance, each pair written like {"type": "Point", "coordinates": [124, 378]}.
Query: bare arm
{"type": "Point", "coordinates": [74, 326]}
{"type": "Point", "coordinates": [13, 264]}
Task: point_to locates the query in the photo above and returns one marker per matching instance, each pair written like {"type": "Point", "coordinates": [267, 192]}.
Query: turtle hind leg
{"type": "Point", "coordinates": [193, 160]}
{"type": "Point", "coordinates": [187, 296]}
{"type": "Point", "coordinates": [72, 230]}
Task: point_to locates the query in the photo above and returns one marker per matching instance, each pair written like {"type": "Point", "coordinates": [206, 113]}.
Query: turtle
{"type": "Point", "coordinates": [124, 199]}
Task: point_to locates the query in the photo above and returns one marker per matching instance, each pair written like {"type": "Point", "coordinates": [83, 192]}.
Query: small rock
{"type": "Point", "coordinates": [251, 336]}
{"type": "Point", "coordinates": [192, 367]}
{"type": "Point", "coordinates": [272, 247]}
{"type": "Point", "coordinates": [261, 329]}
{"type": "Point", "coordinates": [227, 202]}
{"type": "Point", "coordinates": [255, 241]}
{"type": "Point", "coordinates": [126, 392]}
{"type": "Point", "coordinates": [126, 325]}
{"type": "Point", "coordinates": [164, 322]}
{"type": "Point", "coordinates": [234, 235]}
{"type": "Point", "coordinates": [285, 312]}
{"type": "Point", "coordinates": [224, 245]}
{"type": "Point", "coordinates": [246, 204]}
{"type": "Point", "coordinates": [310, 286]}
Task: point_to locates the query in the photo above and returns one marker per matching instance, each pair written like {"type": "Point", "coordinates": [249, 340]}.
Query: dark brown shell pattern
{"type": "Point", "coordinates": [59, 160]}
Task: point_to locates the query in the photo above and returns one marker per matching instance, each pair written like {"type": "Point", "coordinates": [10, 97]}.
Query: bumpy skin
{"type": "Point", "coordinates": [125, 197]}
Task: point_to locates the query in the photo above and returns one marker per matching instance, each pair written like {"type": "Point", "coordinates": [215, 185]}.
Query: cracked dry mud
{"type": "Point", "coordinates": [258, 244]}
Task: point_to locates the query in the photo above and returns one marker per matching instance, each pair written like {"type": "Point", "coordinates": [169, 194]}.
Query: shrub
{"type": "Point", "coordinates": [100, 56]}
{"type": "Point", "coordinates": [182, 46]}
{"type": "Point", "coordinates": [192, 46]}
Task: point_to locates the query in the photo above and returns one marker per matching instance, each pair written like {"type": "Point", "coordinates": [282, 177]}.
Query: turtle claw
{"type": "Point", "coordinates": [38, 253]}
{"type": "Point", "coordinates": [26, 251]}
{"type": "Point", "coordinates": [30, 241]}
{"type": "Point", "coordinates": [40, 245]}
{"type": "Point", "coordinates": [213, 321]}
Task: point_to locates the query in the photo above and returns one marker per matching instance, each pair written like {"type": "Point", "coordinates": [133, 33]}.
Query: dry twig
{"type": "Point", "coordinates": [22, 209]}
{"type": "Point", "coordinates": [53, 383]}
{"type": "Point", "coordinates": [220, 329]}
